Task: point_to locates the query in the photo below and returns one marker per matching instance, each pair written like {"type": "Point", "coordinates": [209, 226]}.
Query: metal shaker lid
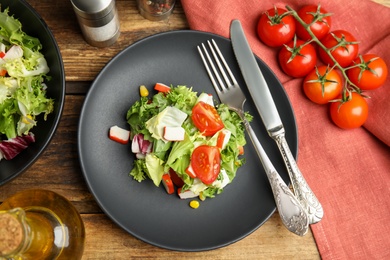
{"type": "Point", "coordinates": [93, 9]}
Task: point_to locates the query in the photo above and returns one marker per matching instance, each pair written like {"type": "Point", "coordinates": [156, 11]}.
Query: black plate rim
{"type": "Point", "coordinates": [59, 103]}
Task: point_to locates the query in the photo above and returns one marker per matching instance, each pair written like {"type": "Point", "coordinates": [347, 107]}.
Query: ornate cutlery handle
{"type": "Point", "coordinates": [293, 215]}
{"type": "Point", "coordinates": [301, 189]}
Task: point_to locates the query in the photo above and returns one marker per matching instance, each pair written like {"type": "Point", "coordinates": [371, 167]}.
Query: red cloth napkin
{"type": "Point", "coordinates": [349, 170]}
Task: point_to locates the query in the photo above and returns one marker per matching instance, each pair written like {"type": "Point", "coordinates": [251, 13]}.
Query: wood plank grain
{"type": "Point", "coordinates": [77, 54]}
{"type": "Point", "coordinates": [105, 240]}
{"type": "Point", "coordinates": [58, 169]}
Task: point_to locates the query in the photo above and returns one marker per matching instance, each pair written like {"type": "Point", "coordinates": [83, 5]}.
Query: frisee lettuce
{"type": "Point", "coordinates": [23, 88]}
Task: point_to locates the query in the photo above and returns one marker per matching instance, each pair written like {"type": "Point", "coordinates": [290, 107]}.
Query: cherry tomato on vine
{"type": "Point", "coordinates": [276, 27]}
{"type": "Point", "coordinates": [371, 72]}
{"type": "Point", "coordinates": [322, 85]}
{"type": "Point", "coordinates": [297, 58]}
{"type": "Point", "coordinates": [206, 162]}
{"type": "Point", "coordinates": [319, 28]}
{"type": "Point", "coordinates": [206, 118]}
{"type": "Point", "coordinates": [351, 113]}
{"type": "Point", "coordinates": [343, 47]}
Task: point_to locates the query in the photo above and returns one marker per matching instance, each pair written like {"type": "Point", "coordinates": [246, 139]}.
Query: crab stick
{"type": "Point", "coordinates": [160, 87]}
{"type": "Point", "coordinates": [188, 194]}
{"type": "Point", "coordinates": [168, 184]}
{"type": "Point", "coordinates": [190, 171]}
{"type": "Point", "coordinates": [174, 133]}
{"type": "Point", "coordinates": [119, 135]}
{"type": "Point", "coordinates": [223, 138]}
{"type": "Point", "coordinates": [207, 98]}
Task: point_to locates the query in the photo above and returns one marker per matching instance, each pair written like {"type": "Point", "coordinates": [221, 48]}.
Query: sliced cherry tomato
{"type": "Point", "coordinates": [276, 27]}
{"type": "Point", "coordinates": [206, 118]}
{"type": "Point", "coordinates": [206, 163]}
{"type": "Point", "coordinates": [322, 85]}
{"type": "Point", "coordinates": [343, 47]}
{"type": "Point", "coordinates": [2, 54]}
{"type": "Point", "coordinates": [297, 58]}
{"type": "Point", "coordinates": [371, 72]}
{"type": "Point", "coordinates": [351, 113]}
{"type": "Point", "coordinates": [316, 14]}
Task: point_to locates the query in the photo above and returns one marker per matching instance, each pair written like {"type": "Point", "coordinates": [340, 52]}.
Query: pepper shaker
{"type": "Point", "coordinates": [98, 20]}
{"type": "Point", "coordinates": [155, 10]}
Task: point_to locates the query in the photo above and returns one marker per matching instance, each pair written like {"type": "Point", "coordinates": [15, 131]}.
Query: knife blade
{"type": "Point", "coordinates": [269, 114]}
{"type": "Point", "coordinates": [254, 79]}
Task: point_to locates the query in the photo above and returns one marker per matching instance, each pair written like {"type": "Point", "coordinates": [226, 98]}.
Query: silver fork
{"type": "Point", "coordinates": [292, 214]}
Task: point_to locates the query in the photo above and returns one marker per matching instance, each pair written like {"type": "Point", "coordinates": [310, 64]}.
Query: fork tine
{"type": "Point", "coordinates": [221, 69]}
{"type": "Point", "coordinates": [218, 70]}
{"type": "Point", "coordinates": [208, 68]}
{"type": "Point", "coordinates": [225, 63]}
{"type": "Point", "coordinates": [221, 87]}
{"type": "Point", "coordinates": [219, 58]}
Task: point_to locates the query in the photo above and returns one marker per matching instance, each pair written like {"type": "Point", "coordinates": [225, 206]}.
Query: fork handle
{"type": "Point", "coordinates": [292, 214]}
{"type": "Point", "coordinates": [301, 189]}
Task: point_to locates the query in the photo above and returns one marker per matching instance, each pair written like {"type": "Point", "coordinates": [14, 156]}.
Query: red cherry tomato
{"type": "Point", "coordinates": [322, 85]}
{"type": "Point", "coordinates": [297, 58]}
{"type": "Point", "coordinates": [319, 28]}
{"type": "Point", "coordinates": [343, 45]}
{"type": "Point", "coordinates": [349, 114]}
{"type": "Point", "coordinates": [206, 119]}
{"type": "Point", "coordinates": [206, 163]}
{"type": "Point", "coordinates": [276, 27]}
{"type": "Point", "coordinates": [371, 72]}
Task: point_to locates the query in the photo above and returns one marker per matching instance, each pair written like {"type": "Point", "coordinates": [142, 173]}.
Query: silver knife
{"type": "Point", "coordinates": [264, 103]}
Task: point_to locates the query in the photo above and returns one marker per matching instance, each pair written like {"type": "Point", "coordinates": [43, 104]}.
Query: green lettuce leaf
{"type": "Point", "coordinates": [23, 89]}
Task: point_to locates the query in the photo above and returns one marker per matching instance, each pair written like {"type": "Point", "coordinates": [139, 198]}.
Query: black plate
{"type": "Point", "coordinates": [148, 212]}
{"type": "Point", "coordinates": [33, 25]}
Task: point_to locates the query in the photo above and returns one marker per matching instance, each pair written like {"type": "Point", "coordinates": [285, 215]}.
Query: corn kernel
{"type": "Point", "coordinates": [25, 119]}
{"type": "Point", "coordinates": [143, 91]}
{"type": "Point", "coordinates": [202, 197]}
{"type": "Point", "coordinates": [194, 204]}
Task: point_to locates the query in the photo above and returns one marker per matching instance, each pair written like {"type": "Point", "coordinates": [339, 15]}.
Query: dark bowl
{"type": "Point", "coordinates": [34, 26]}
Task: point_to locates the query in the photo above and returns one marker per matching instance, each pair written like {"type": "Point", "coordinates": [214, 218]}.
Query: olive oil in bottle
{"type": "Point", "coordinates": [40, 224]}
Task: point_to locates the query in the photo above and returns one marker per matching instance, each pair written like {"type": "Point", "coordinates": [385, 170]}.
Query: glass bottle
{"type": "Point", "coordinates": [40, 224]}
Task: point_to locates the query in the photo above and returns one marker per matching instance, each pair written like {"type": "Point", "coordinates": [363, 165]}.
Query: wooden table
{"type": "Point", "coordinates": [58, 168]}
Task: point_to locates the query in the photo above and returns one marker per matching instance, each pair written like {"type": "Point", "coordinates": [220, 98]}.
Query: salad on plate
{"type": "Point", "coordinates": [23, 72]}
{"type": "Point", "coordinates": [184, 141]}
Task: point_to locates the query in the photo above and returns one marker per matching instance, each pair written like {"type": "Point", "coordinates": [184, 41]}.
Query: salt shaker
{"type": "Point", "coordinates": [98, 20]}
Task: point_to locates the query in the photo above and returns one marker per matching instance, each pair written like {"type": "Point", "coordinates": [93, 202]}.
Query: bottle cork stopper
{"type": "Point", "coordinates": [11, 233]}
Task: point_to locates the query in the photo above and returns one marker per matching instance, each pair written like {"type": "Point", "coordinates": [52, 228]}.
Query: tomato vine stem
{"type": "Point", "coordinates": [348, 83]}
